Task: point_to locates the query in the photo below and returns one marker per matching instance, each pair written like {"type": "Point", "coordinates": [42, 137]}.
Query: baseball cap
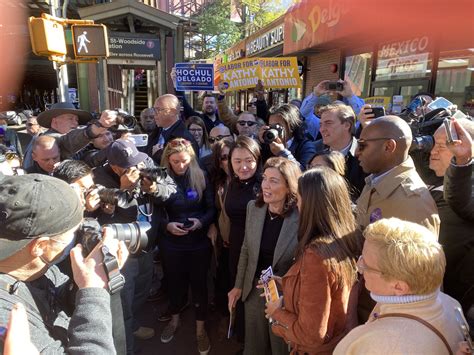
{"type": "Point", "coordinates": [124, 154]}
{"type": "Point", "coordinates": [33, 206]}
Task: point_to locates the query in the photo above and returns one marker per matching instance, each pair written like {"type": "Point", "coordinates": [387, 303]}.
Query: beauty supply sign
{"type": "Point", "coordinates": [194, 77]}
{"type": "Point", "coordinates": [276, 73]}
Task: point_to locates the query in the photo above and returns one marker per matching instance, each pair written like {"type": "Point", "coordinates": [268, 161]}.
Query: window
{"type": "Point", "coordinates": [407, 59]}
{"type": "Point", "coordinates": [455, 78]}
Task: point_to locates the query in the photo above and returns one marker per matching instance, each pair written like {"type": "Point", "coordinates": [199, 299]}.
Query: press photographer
{"type": "Point", "coordinates": [29, 249]}
{"type": "Point", "coordinates": [424, 118]}
{"type": "Point", "coordinates": [284, 136]}
{"type": "Point", "coordinates": [135, 175]}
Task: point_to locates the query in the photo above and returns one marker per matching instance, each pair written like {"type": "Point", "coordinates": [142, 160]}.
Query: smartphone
{"type": "Point", "coordinates": [334, 86]}
{"type": "Point", "coordinates": [451, 134]}
{"type": "Point", "coordinates": [440, 102]}
{"type": "Point", "coordinates": [188, 224]}
{"type": "Point", "coordinates": [140, 140]}
{"type": "Point", "coordinates": [378, 111]}
{"type": "Point", "coordinates": [464, 327]}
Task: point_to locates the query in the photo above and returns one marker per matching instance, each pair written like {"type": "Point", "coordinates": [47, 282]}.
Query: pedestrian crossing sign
{"type": "Point", "coordinates": [90, 41]}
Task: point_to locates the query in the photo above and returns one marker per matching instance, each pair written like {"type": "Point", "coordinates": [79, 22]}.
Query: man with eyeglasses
{"type": "Point", "coordinates": [456, 233]}
{"type": "Point", "coordinates": [247, 125]}
{"type": "Point", "coordinates": [403, 267]}
{"type": "Point", "coordinates": [393, 188]}
{"type": "Point", "coordinates": [219, 133]}
{"type": "Point", "coordinates": [168, 126]}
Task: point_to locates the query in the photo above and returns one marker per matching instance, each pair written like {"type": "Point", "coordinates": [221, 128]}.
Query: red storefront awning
{"type": "Point", "coordinates": [314, 22]}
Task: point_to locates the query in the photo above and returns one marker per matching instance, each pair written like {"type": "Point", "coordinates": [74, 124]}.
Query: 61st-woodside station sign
{"type": "Point", "coordinates": [128, 46]}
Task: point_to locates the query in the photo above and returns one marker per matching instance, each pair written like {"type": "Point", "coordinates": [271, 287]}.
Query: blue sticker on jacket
{"type": "Point", "coordinates": [191, 194]}
{"type": "Point", "coordinates": [375, 215]}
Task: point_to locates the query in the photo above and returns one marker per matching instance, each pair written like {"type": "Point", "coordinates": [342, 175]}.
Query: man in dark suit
{"type": "Point", "coordinates": [169, 126]}
{"type": "Point", "coordinates": [337, 126]}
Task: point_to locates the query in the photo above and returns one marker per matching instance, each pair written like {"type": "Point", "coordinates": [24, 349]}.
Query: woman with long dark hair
{"type": "Point", "coordinates": [316, 289]}
{"type": "Point", "coordinates": [244, 168]}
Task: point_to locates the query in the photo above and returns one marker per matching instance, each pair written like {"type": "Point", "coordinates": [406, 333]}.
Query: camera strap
{"type": "Point", "coordinates": [111, 266]}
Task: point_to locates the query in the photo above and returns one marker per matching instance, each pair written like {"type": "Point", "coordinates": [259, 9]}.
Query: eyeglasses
{"type": "Point", "coordinates": [157, 110]}
{"type": "Point", "coordinates": [192, 130]}
{"type": "Point", "coordinates": [179, 141]}
{"type": "Point", "coordinates": [247, 123]}
{"type": "Point", "coordinates": [362, 143]}
{"type": "Point", "coordinates": [218, 138]}
{"type": "Point", "coordinates": [224, 157]}
{"type": "Point", "coordinates": [362, 267]}
{"type": "Point", "coordinates": [29, 124]}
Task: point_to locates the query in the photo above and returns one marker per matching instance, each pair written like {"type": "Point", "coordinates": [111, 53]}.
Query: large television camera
{"type": "Point", "coordinates": [423, 125]}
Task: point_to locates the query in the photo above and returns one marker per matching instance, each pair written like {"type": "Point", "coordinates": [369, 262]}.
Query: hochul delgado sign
{"type": "Point", "coordinates": [194, 77]}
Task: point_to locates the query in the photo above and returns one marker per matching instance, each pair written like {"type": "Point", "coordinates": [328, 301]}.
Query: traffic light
{"type": "Point", "coordinates": [90, 41]}
{"type": "Point", "coordinates": [47, 37]}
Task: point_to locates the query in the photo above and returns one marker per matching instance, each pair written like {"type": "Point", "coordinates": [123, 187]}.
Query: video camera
{"type": "Point", "coordinates": [423, 126]}
{"type": "Point", "coordinates": [272, 133]}
{"type": "Point", "coordinates": [133, 235]}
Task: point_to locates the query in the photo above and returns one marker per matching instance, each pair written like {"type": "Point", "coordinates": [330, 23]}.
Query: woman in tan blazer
{"type": "Point", "coordinates": [270, 240]}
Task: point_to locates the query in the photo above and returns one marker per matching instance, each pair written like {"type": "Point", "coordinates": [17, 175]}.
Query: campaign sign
{"type": "Point", "coordinates": [194, 77]}
{"type": "Point", "coordinates": [273, 72]}
{"type": "Point", "coordinates": [280, 73]}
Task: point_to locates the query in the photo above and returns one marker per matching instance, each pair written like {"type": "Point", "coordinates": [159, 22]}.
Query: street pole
{"type": "Point", "coordinates": [61, 71]}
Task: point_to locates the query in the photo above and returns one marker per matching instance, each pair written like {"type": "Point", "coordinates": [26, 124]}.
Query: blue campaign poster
{"type": "Point", "coordinates": [194, 77]}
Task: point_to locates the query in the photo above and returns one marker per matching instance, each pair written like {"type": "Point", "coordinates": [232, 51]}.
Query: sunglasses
{"type": "Point", "coordinates": [362, 143]}
{"type": "Point", "coordinates": [218, 138]}
{"type": "Point", "coordinates": [246, 123]}
{"type": "Point", "coordinates": [9, 156]}
{"type": "Point", "coordinates": [32, 124]}
{"type": "Point", "coordinates": [251, 104]}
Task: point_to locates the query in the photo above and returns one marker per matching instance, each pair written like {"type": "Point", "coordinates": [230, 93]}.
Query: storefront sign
{"type": "Point", "coordinates": [274, 72]}
{"type": "Point", "coordinates": [266, 41]}
{"type": "Point", "coordinates": [310, 23]}
{"type": "Point", "coordinates": [404, 58]}
{"type": "Point", "coordinates": [194, 77]}
{"type": "Point", "coordinates": [123, 45]}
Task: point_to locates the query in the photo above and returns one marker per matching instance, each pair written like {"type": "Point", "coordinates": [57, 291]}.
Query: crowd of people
{"type": "Point", "coordinates": [367, 256]}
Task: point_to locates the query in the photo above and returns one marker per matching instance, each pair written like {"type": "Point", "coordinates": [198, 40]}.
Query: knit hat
{"type": "Point", "coordinates": [33, 206]}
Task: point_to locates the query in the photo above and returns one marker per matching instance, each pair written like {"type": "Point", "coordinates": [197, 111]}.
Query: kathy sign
{"type": "Point", "coordinates": [194, 77]}
{"type": "Point", "coordinates": [276, 73]}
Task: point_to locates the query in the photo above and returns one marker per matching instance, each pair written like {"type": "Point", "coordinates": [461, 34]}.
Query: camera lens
{"type": "Point", "coordinates": [133, 234]}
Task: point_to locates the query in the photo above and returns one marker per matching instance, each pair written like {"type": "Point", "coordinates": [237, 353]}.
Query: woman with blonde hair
{"type": "Point", "coordinates": [186, 248]}
{"type": "Point", "coordinates": [316, 289]}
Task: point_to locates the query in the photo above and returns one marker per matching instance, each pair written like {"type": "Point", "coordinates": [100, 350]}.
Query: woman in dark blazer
{"type": "Point", "coordinates": [271, 231]}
